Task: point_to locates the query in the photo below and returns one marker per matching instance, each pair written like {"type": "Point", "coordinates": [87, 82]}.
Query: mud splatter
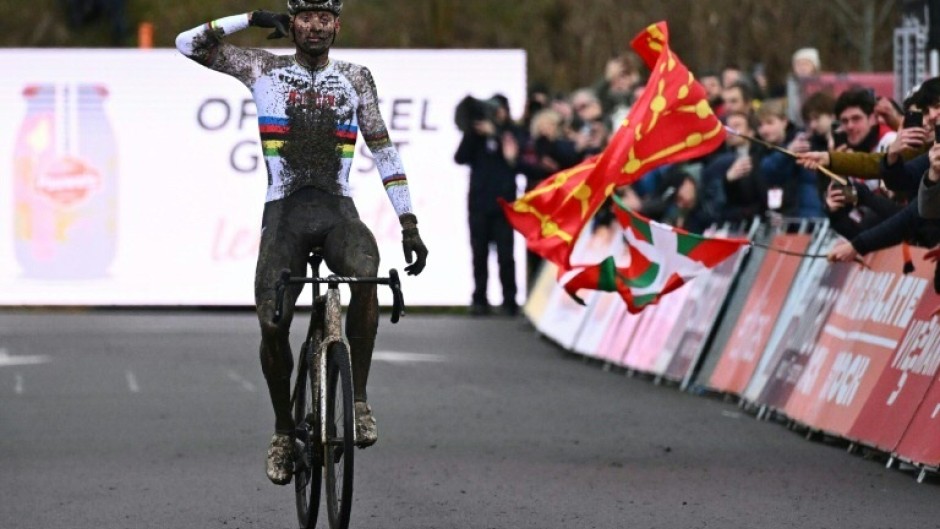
{"type": "Point", "coordinates": [310, 148]}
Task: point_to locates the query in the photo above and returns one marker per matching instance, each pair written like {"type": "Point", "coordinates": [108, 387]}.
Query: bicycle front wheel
{"type": "Point", "coordinates": [308, 467]}
{"type": "Point", "coordinates": [340, 421]}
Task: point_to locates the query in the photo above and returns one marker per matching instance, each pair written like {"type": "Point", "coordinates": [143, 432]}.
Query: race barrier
{"type": "Point", "coordinates": [847, 350]}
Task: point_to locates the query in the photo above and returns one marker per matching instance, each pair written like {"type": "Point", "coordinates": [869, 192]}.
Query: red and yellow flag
{"type": "Point", "coordinates": [671, 122]}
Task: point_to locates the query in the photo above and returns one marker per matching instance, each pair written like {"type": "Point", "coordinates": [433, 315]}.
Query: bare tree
{"type": "Point", "coordinates": [567, 41]}
{"type": "Point", "coordinates": [861, 21]}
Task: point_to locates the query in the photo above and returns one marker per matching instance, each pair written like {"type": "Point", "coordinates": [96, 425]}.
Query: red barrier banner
{"type": "Point", "coordinates": [859, 338]}
{"type": "Point", "coordinates": [906, 379]}
{"type": "Point", "coordinates": [802, 331]}
{"type": "Point", "coordinates": [921, 441]}
{"type": "Point", "coordinates": [769, 292]}
{"type": "Point", "coordinates": [699, 315]}
{"type": "Point", "coordinates": [803, 406]}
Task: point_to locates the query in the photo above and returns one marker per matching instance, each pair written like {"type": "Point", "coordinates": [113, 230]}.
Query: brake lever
{"type": "Point", "coordinates": [398, 300]}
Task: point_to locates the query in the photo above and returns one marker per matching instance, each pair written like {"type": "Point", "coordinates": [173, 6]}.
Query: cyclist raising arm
{"type": "Point", "coordinates": [310, 111]}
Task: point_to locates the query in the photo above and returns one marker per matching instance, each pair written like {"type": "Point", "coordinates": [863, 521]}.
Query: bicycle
{"type": "Point", "coordinates": [325, 415]}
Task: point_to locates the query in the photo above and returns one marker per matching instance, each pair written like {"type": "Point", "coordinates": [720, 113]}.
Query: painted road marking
{"type": "Point", "coordinates": [6, 359]}
{"type": "Point", "coordinates": [397, 357]}
{"type": "Point", "coordinates": [18, 385]}
{"type": "Point", "coordinates": [131, 381]}
{"type": "Point", "coordinates": [238, 379]}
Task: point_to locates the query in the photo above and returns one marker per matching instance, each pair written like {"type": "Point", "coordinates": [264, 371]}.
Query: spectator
{"type": "Point", "coordinates": [678, 202]}
{"type": "Point", "coordinates": [731, 188]}
{"type": "Point", "coordinates": [712, 85]}
{"type": "Point", "coordinates": [615, 91]}
{"type": "Point", "coordinates": [737, 98]}
{"type": "Point", "coordinates": [900, 172]}
{"type": "Point", "coordinates": [587, 108]}
{"type": "Point", "coordinates": [852, 208]}
{"type": "Point", "coordinates": [548, 150]}
{"type": "Point", "coordinates": [902, 165]}
{"type": "Point", "coordinates": [762, 88]}
{"type": "Point", "coordinates": [491, 148]}
{"type": "Point", "coordinates": [537, 100]}
{"type": "Point", "coordinates": [855, 109]}
{"type": "Point", "coordinates": [804, 64]}
{"type": "Point", "coordinates": [818, 113]}
{"type": "Point", "coordinates": [889, 113]}
{"type": "Point", "coordinates": [791, 189]}
{"type": "Point", "coordinates": [731, 75]}
{"type": "Point", "coordinates": [592, 138]}
{"type": "Point", "coordinates": [562, 105]}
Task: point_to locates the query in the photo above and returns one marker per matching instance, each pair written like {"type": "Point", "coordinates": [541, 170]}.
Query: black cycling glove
{"type": "Point", "coordinates": [268, 19]}
{"type": "Point", "coordinates": [411, 243]}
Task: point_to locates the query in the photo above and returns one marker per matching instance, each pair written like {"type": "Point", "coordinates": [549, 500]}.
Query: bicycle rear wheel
{"type": "Point", "coordinates": [338, 452]}
{"type": "Point", "coordinates": [308, 466]}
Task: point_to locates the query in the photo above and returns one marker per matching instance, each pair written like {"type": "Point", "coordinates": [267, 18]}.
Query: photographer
{"type": "Point", "coordinates": [490, 146]}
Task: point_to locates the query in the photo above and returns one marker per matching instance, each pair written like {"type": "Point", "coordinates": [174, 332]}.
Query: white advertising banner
{"type": "Point", "coordinates": [135, 177]}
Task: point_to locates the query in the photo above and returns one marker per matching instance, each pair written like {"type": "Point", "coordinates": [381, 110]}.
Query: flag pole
{"type": "Point", "coordinates": [836, 178]}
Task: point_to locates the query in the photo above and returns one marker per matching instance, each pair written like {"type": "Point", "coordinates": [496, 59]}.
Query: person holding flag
{"type": "Point", "coordinates": [671, 122]}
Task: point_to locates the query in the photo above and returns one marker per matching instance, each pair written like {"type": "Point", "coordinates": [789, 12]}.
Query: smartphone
{"type": "Point", "coordinates": [936, 134]}
{"type": "Point", "coordinates": [839, 137]}
{"type": "Point", "coordinates": [913, 119]}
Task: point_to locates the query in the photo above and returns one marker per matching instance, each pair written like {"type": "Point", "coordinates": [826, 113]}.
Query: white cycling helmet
{"type": "Point", "coordinates": [298, 6]}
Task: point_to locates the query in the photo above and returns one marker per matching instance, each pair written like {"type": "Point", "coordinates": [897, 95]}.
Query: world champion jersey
{"type": "Point", "coordinates": [308, 119]}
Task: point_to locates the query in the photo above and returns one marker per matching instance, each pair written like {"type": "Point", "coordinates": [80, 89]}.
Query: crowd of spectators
{"type": "Point", "coordinates": [881, 147]}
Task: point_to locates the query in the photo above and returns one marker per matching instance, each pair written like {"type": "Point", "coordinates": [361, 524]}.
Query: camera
{"type": "Point", "coordinates": [471, 109]}
{"type": "Point", "coordinates": [913, 119]}
{"type": "Point", "coordinates": [848, 190]}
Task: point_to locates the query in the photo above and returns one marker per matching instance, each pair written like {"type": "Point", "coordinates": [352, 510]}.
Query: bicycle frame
{"type": "Point", "coordinates": [325, 360]}
{"type": "Point", "coordinates": [326, 328]}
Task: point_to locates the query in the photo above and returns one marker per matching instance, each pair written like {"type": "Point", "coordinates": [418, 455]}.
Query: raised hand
{"type": "Point", "coordinates": [835, 197]}
{"type": "Point", "coordinates": [907, 139]}
{"type": "Point", "coordinates": [268, 19]}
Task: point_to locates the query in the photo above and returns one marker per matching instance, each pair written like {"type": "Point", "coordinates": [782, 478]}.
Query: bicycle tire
{"type": "Point", "coordinates": [307, 477]}
{"type": "Point", "coordinates": [339, 450]}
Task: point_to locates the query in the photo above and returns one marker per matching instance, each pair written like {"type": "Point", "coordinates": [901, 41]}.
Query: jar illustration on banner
{"type": "Point", "coordinates": [65, 184]}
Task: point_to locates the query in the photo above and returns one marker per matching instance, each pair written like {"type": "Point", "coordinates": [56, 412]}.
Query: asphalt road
{"type": "Point", "coordinates": [161, 419]}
